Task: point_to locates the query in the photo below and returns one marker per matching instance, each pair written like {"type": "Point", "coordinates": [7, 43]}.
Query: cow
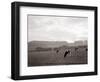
{"type": "Point", "coordinates": [66, 53]}
{"type": "Point", "coordinates": [57, 51]}
{"type": "Point", "coordinates": [76, 49]}
{"type": "Point", "coordinates": [86, 49]}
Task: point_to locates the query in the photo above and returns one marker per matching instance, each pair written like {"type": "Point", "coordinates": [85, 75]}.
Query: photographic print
{"type": "Point", "coordinates": [53, 40]}
{"type": "Point", "coordinates": [57, 40]}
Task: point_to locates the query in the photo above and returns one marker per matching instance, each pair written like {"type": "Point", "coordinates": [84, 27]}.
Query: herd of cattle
{"type": "Point", "coordinates": [67, 52]}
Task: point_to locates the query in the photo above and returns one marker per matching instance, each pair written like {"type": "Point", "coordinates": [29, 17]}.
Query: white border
{"type": "Point", "coordinates": [25, 70]}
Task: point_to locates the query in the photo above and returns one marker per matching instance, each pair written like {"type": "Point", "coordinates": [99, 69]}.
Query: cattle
{"type": "Point", "coordinates": [76, 49]}
{"type": "Point", "coordinates": [66, 53]}
{"type": "Point", "coordinates": [86, 49]}
{"type": "Point", "coordinates": [57, 51]}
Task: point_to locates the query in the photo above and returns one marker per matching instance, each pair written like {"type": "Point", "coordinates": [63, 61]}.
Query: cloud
{"type": "Point", "coordinates": [51, 28]}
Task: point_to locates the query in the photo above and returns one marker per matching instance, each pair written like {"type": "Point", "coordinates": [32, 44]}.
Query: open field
{"type": "Point", "coordinates": [52, 57]}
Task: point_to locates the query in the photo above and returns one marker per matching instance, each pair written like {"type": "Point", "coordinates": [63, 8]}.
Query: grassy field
{"type": "Point", "coordinates": [52, 57]}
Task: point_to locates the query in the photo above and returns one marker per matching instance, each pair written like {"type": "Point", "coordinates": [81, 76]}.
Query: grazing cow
{"type": "Point", "coordinates": [66, 53]}
{"type": "Point", "coordinates": [86, 49]}
{"type": "Point", "coordinates": [76, 49]}
{"type": "Point", "coordinates": [57, 51]}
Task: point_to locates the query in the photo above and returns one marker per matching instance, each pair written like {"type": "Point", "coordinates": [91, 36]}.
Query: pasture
{"type": "Point", "coordinates": [77, 55]}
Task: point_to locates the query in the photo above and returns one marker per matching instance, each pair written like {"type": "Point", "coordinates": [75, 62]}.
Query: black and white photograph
{"type": "Point", "coordinates": [57, 40]}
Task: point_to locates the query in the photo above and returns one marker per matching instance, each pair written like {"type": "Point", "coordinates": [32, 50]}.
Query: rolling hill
{"type": "Point", "coordinates": [53, 44]}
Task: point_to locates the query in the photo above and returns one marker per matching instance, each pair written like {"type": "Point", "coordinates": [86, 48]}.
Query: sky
{"type": "Point", "coordinates": [57, 28]}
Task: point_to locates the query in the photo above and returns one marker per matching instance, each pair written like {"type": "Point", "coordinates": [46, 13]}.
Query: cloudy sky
{"type": "Point", "coordinates": [57, 28]}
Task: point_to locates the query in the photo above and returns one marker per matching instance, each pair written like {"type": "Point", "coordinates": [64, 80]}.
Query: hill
{"type": "Point", "coordinates": [53, 44]}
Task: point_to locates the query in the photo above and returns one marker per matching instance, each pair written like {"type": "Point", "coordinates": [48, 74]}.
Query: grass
{"type": "Point", "coordinates": [51, 57]}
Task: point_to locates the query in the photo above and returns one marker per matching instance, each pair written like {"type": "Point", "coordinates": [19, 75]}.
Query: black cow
{"type": "Point", "coordinates": [66, 53]}
{"type": "Point", "coordinates": [86, 49]}
{"type": "Point", "coordinates": [57, 51]}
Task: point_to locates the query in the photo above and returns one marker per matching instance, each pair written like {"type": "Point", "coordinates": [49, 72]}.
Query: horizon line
{"type": "Point", "coordinates": [60, 41]}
